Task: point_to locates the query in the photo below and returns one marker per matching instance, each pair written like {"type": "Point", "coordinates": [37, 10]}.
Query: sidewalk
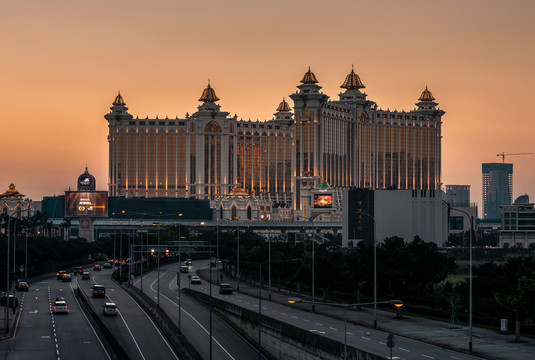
{"type": "Point", "coordinates": [487, 344]}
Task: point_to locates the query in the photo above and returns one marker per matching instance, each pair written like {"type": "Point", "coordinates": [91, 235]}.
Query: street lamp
{"type": "Point", "coordinates": [470, 279]}
{"type": "Point", "coordinates": [397, 303]}
{"type": "Point", "coordinates": [374, 268]}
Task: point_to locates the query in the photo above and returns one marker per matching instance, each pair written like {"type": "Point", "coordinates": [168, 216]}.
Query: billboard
{"type": "Point", "coordinates": [323, 201]}
{"type": "Point", "coordinates": [86, 203]}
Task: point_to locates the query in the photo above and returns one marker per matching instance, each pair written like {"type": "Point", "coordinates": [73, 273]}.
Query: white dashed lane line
{"type": "Point", "coordinates": [402, 349]}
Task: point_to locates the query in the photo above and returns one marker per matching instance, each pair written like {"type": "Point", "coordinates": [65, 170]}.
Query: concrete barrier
{"type": "Point", "coordinates": [281, 340]}
{"type": "Point", "coordinates": [106, 335]}
{"type": "Point", "coordinates": [179, 342]}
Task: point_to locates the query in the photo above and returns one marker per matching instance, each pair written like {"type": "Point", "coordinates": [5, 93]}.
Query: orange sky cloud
{"type": "Point", "coordinates": [63, 62]}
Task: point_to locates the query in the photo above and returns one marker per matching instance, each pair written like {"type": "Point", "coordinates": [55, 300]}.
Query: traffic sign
{"type": "Point", "coordinates": [390, 341]}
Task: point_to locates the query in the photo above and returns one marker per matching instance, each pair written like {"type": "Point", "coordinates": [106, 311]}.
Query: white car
{"type": "Point", "coordinates": [60, 307]}
{"type": "Point", "coordinates": [110, 309]}
{"type": "Point", "coordinates": [195, 280]}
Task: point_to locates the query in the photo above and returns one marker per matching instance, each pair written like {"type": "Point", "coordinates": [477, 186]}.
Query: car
{"type": "Point", "coordinates": [59, 274]}
{"type": "Point", "coordinates": [99, 291]}
{"type": "Point", "coordinates": [23, 286]}
{"type": "Point", "coordinates": [13, 300]}
{"type": "Point", "coordinates": [78, 270]}
{"type": "Point", "coordinates": [184, 269]}
{"type": "Point", "coordinates": [110, 309]}
{"type": "Point", "coordinates": [107, 265]}
{"type": "Point", "coordinates": [225, 288]}
{"type": "Point", "coordinates": [188, 262]}
{"type": "Point", "coordinates": [97, 267]}
{"type": "Point", "coordinates": [66, 278]}
{"type": "Point", "coordinates": [86, 275]}
{"type": "Point", "coordinates": [60, 307]}
{"type": "Point", "coordinates": [195, 280]}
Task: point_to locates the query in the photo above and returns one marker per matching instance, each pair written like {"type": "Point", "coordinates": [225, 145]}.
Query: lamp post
{"type": "Point", "coordinates": [397, 303]}
{"type": "Point", "coordinates": [374, 268]}
{"type": "Point", "coordinates": [269, 262]}
{"type": "Point", "coordinates": [7, 272]}
{"type": "Point", "coordinates": [471, 218]}
{"type": "Point", "coordinates": [238, 256]}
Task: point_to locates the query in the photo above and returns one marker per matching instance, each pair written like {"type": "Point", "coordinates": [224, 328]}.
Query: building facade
{"type": "Point", "coordinates": [497, 188]}
{"type": "Point", "coordinates": [518, 226]}
{"type": "Point", "coordinates": [345, 143]}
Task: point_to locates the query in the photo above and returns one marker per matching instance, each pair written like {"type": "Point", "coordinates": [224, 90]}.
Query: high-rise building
{"type": "Point", "coordinates": [497, 188]}
{"type": "Point", "coordinates": [458, 195]}
{"type": "Point", "coordinates": [346, 143]}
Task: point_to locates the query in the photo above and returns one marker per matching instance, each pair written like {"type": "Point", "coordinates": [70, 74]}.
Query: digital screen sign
{"type": "Point", "coordinates": [86, 203]}
{"type": "Point", "coordinates": [323, 201]}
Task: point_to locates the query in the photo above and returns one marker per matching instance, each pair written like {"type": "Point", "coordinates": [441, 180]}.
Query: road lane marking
{"type": "Point", "coordinates": [319, 324]}
{"type": "Point", "coordinates": [199, 324]}
{"type": "Point", "coordinates": [335, 329]}
{"type": "Point", "coordinates": [317, 331]}
{"type": "Point", "coordinates": [365, 338]}
{"type": "Point", "coordinates": [427, 356]}
{"type": "Point", "coordinates": [306, 320]}
{"type": "Point", "coordinates": [406, 350]}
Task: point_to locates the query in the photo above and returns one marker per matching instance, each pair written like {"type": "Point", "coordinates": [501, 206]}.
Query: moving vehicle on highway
{"type": "Point", "coordinates": [225, 288]}
{"type": "Point", "coordinates": [195, 280]}
{"type": "Point", "coordinates": [59, 274]}
{"type": "Point", "coordinates": [23, 286]}
{"type": "Point", "coordinates": [188, 262]}
{"type": "Point", "coordinates": [86, 275]}
{"type": "Point", "coordinates": [60, 307]}
{"type": "Point", "coordinates": [184, 269]}
{"type": "Point", "coordinates": [99, 291]}
{"type": "Point", "coordinates": [66, 278]}
{"type": "Point", "coordinates": [107, 265]}
{"type": "Point", "coordinates": [110, 309]}
{"type": "Point", "coordinates": [78, 270]}
{"type": "Point", "coordinates": [13, 300]}
{"type": "Point", "coordinates": [97, 267]}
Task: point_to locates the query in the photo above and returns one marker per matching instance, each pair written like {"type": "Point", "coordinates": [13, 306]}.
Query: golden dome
{"type": "Point", "coordinates": [119, 100]}
{"type": "Point", "coordinates": [309, 77]}
{"type": "Point", "coordinates": [208, 95]}
{"type": "Point", "coordinates": [426, 95]}
{"type": "Point", "coordinates": [283, 106]}
{"type": "Point", "coordinates": [238, 192]}
{"type": "Point", "coordinates": [352, 82]}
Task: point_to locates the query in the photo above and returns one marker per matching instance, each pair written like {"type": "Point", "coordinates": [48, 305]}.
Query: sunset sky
{"type": "Point", "coordinates": [63, 61]}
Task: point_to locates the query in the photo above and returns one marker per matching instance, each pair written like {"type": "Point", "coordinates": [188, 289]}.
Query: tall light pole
{"type": "Point", "coordinates": [158, 265]}
{"type": "Point", "coordinates": [210, 285]}
{"type": "Point", "coordinates": [269, 261]}
{"type": "Point", "coordinates": [7, 272]}
{"type": "Point", "coordinates": [238, 257]}
{"type": "Point", "coordinates": [471, 218]}
{"type": "Point", "coordinates": [313, 278]}
{"type": "Point", "coordinates": [374, 268]}
{"type": "Point", "coordinates": [397, 303]}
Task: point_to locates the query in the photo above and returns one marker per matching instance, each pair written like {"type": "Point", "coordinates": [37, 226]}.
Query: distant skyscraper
{"type": "Point", "coordinates": [497, 188]}
{"type": "Point", "coordinates": [458, 195]}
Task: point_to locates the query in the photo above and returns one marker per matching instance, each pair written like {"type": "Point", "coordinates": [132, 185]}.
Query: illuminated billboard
{"type": "Point", "coordinates": [323, 201]}
{"type": "Point", "coordinates": [86, 203]}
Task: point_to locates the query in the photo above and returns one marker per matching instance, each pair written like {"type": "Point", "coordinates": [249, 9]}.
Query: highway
{"type": "Point", "coordinates": [44, 335]}
{"type": "Point", "coordinates": [195, 318]}
{"type": "Point", "coordinates": [373, 341]}
{"type": "Point", "coordinates": [132, 327]}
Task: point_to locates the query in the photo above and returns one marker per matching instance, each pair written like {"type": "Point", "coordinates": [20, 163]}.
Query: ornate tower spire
{"type": "Point", "coordinates": [119, 100]}
{"type": "Point", "coordinates": [283, 106]}
{"type": "Point", "coordinates": [208, 95]}
{"type": "Point", "coordinates": [352, 81]}
{"type": "Point", "coordinates": [426, 95]}
{"type": "Point", "coordinates": [426, 102]}
{"type": "Point", "coordinates": [309, 77]}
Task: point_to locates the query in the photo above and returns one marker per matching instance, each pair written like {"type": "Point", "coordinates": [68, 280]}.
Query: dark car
{"type": "Point", "coordinates": [97, 268]}
{"type": "Point", "coordinates": [23, 286]}
{"type": "Point", "coordinates": [107, 265]}
{"type": "Point", "coordinates": [99, 291]}
{"type": "Point", "coordinates": [188, 262]}
{"type": "Point", "coordinates": [225, 288]}
{"type": "Point", "coordinates": [110, 309]}
{"type": "Point", "coordinates": [66, 278]}
{"type": "Point", "coordinates": [60, 274]}
{"type": "Point", "coordinates": [86, 275]}
{"type": "Point", "coordinates": [13, 300]}
{"type": "Point", "coordinates": [78, 270]}
{"type": "Point", "coordinates": [184, 269]}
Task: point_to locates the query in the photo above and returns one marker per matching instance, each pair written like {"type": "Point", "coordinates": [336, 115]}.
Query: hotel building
{"type": "Point", "coordinates": [345, 143]}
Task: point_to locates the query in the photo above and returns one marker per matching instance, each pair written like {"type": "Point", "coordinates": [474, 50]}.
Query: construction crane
{"type": "Point", "coordinates": [503, 155]}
